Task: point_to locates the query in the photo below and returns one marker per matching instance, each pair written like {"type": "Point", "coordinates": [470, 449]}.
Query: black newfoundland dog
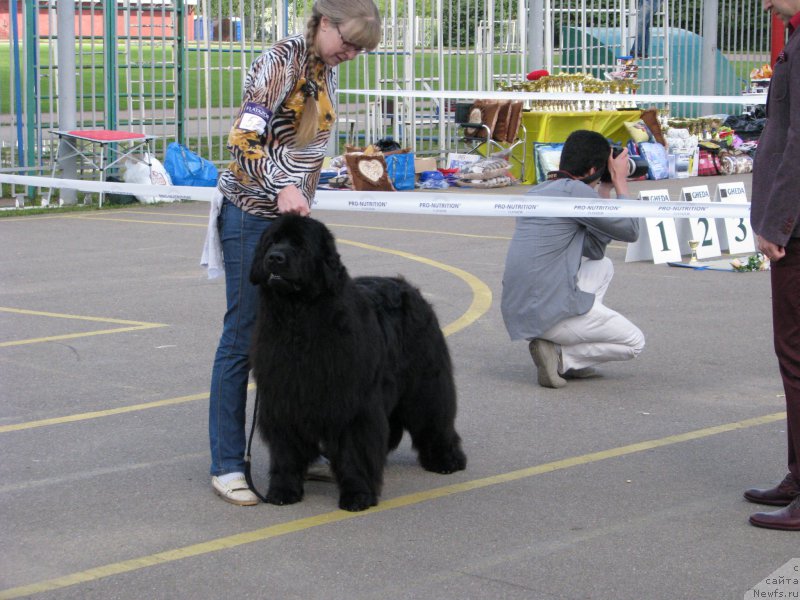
{"type": "Point", "coordinates": [343, 366]}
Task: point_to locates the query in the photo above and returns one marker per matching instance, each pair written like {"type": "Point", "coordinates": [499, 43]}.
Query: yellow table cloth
{"type": "Point", "coordinates": [555, 127]}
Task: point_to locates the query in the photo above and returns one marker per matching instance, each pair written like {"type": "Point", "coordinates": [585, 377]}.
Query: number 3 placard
{"type": "Point", "coordinates": [737, 230]}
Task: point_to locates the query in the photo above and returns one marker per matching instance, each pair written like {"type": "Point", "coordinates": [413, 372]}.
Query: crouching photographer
{"type": "Point", "coordinates": [556, 273]}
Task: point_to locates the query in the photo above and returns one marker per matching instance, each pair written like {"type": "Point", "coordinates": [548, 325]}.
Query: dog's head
{"type": "Point", "coordinates": [297, 255]}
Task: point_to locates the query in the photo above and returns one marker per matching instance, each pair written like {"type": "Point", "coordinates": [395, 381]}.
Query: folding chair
{"type": "Point", "coordinates": [513, 132]}
{"type": "Point", "coordinates": [505, 131]}
{"type": "Point", "coordinates": [93, 145]}
{"type": "Point", "coordinates": [474, 133]}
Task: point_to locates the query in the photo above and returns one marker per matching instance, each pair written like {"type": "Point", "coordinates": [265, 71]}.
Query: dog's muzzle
{"type": "Point", "coordinates": [276, 263]}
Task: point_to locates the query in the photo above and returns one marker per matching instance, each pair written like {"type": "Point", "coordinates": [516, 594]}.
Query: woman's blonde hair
{"type": "Point", "coordinates": [359, 21]}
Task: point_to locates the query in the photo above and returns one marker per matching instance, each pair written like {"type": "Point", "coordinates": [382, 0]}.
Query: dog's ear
{"type": "Point", "coordinates": [258, 273]}
{"type": "Point", "coordinates": [334, 272]}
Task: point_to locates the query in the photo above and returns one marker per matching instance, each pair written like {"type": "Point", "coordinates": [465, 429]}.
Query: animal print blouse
{"type": "Point", "coordinates": [262, 139]}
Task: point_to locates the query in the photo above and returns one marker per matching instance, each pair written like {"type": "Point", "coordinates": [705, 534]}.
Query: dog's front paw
{"type": "Point", "coordinates": [357, 501]}
{"type": "Point", "coordinates": [283, 496]}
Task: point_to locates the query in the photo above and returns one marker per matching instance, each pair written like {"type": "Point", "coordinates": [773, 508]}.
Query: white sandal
{"type": "Point", "coordinates": [235, 491]}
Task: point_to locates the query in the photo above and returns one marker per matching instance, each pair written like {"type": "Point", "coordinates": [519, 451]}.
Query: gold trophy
{"type": "Point", "coordinates": [693, 244]}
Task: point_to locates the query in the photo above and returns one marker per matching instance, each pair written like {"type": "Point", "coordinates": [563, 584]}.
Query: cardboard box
{"type": "Point", "coordinates": [424, 164]}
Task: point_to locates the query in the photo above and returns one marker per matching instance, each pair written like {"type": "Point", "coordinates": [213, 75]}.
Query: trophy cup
{"type": "Point", "coordinates": [693, 244]}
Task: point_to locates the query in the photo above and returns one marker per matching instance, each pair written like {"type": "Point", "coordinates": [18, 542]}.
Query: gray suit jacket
{"type": "Point", "coordinates": [775, 210]}
{"type": "Point", "coordinates": [540, 285]}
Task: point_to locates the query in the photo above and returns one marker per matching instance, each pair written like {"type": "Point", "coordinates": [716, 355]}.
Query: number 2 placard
{"type": "Point", "coordinates": [702, 229]}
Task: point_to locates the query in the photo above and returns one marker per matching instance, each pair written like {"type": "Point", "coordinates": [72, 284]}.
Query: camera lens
{"type": "Point", "coordinates": [637, 167]}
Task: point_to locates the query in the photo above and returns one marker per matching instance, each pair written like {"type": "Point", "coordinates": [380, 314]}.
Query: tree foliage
{"type": "Point", "coordinates": [462, 18]}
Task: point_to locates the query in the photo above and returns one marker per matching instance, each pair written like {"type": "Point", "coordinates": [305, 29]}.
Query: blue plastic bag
{"type": "Point", "coordinates": [432, 180]}
{"type": "Point", "coordinates": [187, 168]}
{"type": "Point", "coordinates": [400, 169]}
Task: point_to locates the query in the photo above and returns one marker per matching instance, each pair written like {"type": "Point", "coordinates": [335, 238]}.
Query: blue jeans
{"type": "Point", "coordinates": [239, 234]}
{"type": "Point", "coordinates": [644, 21]}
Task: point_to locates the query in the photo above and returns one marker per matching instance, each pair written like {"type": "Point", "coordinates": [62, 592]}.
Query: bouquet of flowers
{"type": "Point", "coordinates": [757, 262]}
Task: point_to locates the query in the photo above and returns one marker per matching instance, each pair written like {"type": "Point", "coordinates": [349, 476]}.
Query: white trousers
{"type": "Point", "coordinates": [600, 335]}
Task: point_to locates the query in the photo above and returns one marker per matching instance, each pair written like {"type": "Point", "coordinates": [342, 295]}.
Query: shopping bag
{"type": "Point", "coordinates": [187, 168]}
{"type": "Point", "coordinates": [156, 174]}
{"type": "Point", "coordinates": [657, 161]}
{"type": "Point", "coordinates": [400, 168]}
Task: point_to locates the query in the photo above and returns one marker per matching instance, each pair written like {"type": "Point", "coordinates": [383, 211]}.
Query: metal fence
{"type": "Point", "coordinates": [682, 47]}
{"type": "Point", "coordinates": [174, 68]}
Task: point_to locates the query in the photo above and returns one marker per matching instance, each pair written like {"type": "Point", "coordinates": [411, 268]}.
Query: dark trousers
{"type": "Point", "coordinates": [785, 277]}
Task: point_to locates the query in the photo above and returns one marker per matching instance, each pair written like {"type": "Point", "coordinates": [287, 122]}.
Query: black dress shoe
{"type": "Point", "coordinates": [786, 519]}
{"type": "Point", "coordinates": [780, 495]}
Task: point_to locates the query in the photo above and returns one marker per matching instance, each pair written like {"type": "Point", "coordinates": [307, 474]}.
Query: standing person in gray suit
{"type": "Point", "coordinates": [775, 218]}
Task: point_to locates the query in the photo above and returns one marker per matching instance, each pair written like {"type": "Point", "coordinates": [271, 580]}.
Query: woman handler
{"type": "Point", "coordinates": [278, 143]}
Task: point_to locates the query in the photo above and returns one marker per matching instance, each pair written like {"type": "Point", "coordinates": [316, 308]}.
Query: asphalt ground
{"type": "Point", "coordinates": [628, 485]}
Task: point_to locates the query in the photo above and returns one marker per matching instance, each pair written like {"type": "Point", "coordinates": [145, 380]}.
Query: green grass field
{"type": "Point", "coordinates": [214, 77]}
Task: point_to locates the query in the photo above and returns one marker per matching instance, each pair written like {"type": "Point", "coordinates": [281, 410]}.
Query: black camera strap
{"type": "Point", "coordinates": [589, 179]}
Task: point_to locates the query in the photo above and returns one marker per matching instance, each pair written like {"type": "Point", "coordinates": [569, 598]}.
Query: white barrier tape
{"type": "Point", "coordinates": [516, 205]}
{"type": "Point", "coordinates": [631, 98]}
{"type": "Point", "coordinates": [172, 192]}
{"type": "Point", "coordinates": [430, 202]}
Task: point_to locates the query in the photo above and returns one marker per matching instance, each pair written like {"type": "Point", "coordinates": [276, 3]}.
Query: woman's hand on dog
{"type": "Point", "coordinates": [291, 200]}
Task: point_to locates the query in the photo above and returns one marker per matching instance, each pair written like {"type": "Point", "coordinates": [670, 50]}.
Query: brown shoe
{"type": "Point", "coordinates": [584, 373]}
{"type": "Point", "coordinates": [786, 519]}
{"type": "Point", "coordinates": [780, 495]}
{"type": "Point", "coordinates": [545, 356]}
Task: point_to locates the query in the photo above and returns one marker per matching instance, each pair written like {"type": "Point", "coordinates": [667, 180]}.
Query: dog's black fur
{"type": "Point", "coordinates": [344, 366]}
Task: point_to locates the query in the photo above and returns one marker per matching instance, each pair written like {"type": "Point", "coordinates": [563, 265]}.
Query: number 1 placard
{"type": "Point", "coordinates": [663, 240]}
{"type": "Point", "coordinates": [658, 238]}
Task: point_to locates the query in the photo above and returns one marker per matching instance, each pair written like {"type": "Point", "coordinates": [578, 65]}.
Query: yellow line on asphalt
{"type": "Point", "coordinates": [398, 229]}
{"type": "Point", "coordinates": [160, 214]}
{"type": "Point", "coordinates": [103, 413]}
{"type": "Point", "coordinates": [98, 217]}
{"type": "Point", "coordinates": [481, 294]}
{"type": "Point", "coordinates": [93, 217]}
{"type": "Point", "coordinates": [90, 216]}
{"type": "Point", "coordinates": [39, 313]}
{"type": "Point", "coordinates": [133, 326]}
{"type": "Point", "coordinates": [171, 223]}
{"type": "Point", "coordinates": [431, 231]}
{"type": "Point", "coordinates": [70, 336]}
{"type": "Point", "coordinates": [481, 301]}
{"type": "Point", "coordinates": [281, 529]}
{"type": "Point", "coordinates": [329, 224]}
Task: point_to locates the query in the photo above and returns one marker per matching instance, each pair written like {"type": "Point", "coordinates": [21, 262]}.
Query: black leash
{"type": "Point", "coordinates": [247, 475]}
